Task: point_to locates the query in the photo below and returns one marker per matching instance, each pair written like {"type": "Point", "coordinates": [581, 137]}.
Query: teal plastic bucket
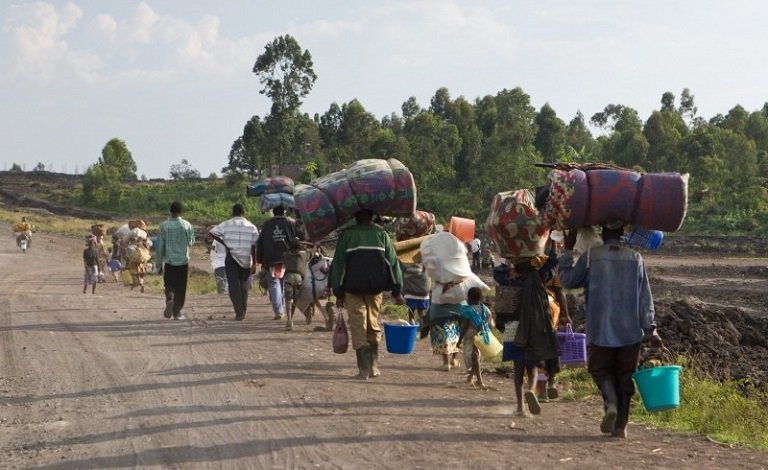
{"type": "Point", "coordinates": [659, 387]}
{"type": "Point", "coordinates": [400, 339]}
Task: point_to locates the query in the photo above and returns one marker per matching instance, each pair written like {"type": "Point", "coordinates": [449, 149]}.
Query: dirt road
{"type": "Point", "coordinates": [103, 381]}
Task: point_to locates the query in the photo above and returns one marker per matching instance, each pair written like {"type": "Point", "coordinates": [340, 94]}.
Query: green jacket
{"type": "Point", "coordinates": [365, 262]}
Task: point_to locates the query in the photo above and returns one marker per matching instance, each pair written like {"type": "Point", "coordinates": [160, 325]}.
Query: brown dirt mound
{"type": "Point", "coordinates": [724, 342]}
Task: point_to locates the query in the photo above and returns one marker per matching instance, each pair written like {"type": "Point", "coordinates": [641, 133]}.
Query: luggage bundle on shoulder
{"type": "Point", "coordinates": [274, 192]}
{"type": "Point", "coordinates": [385, 187]}
{"type": "Point", "coordinates": [579, 197]}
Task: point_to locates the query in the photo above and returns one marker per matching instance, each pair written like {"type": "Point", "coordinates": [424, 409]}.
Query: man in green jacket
{"type": "Point", "coordinates": [364, 266]}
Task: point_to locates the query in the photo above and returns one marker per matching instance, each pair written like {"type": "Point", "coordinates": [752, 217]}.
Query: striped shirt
{"type": "Point", "coordinates": [174, 237]}
{"type": "Point", "coordinates": [239, 236]}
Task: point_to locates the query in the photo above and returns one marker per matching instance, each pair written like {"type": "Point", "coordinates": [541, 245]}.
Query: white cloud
{"type": "Point", "coordinates": [145, 46]}
{"type": "Point", "coordinates": [105, 26]}
{"type": "Point", "coordinates": [445, 30]}
{"type": "Point", "coordinates": [37, 33]}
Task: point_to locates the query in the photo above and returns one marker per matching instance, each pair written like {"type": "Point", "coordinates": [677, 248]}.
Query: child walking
{"type": "Point", "coordinates": [91, 263]}
{"type": "Point", "coordinates": [477, 320]}
{"type": "Point", "coordinates": [116, 267]}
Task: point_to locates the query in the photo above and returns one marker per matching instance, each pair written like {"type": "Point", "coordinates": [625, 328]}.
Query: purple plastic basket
{"type": "Point", "coordinates": [573, 347]}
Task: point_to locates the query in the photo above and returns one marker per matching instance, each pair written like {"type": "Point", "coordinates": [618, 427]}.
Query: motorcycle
{"type": "Point", "coordinates": [23, 242]}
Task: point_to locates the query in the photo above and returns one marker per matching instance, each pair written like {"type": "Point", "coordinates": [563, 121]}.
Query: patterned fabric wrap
{"type": "Point", "coordinates": [276, 184]}
{"type": "Point", "coordinates": [515, 225]}
{"type": "Point", "coordinates": [373, 184]}
{"type": "Point", "coordinates": [316, 210]}
{"type": "Point", "coordinates": [137, 223]}
{"type": "Point", "coordinates": [384, 186]}
{"type": "Point", "coordinates": [663, 201]}
{"type": "Point", "coordinates": [613, 195]}
{"type": "Point", "coordinates": [404, 203]}
{"type": "Point", "coordinates": [421, 223]}
{"type": "Point", "coordinates": [336, 187]}
{"type": "Point", "coordinates": [444, 335]}
{"type": "Point", "coordinates": [269, 201]}
{"type": "Point", "coordinates": [566, 205]}
{"type": "Point", "coordinates": [279, 184]}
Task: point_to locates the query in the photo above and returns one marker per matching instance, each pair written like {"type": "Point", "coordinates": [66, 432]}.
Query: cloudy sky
{"type": "Point", "coordinates": [172, 78]}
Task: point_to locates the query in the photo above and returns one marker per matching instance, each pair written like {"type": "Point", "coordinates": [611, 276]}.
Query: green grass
{"type": "Point", "coordinates": [731, 412]}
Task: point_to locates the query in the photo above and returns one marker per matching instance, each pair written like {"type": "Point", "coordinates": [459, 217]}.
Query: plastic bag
{"type": "Point", "coordinates": [457, 293]}
{"type": "Point", "coordinates": [340, 335]}
{"type": "Point", "coordinates": [445, 258]}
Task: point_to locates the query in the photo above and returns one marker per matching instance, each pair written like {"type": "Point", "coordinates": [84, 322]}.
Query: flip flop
{"type": "Point", "coordinates": [532, 402]}
{"type": "Point", "coordinates": [552, 393]}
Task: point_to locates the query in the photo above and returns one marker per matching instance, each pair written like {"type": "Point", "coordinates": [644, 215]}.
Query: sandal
{"type": "Point", "coordinates": [532, 402]}
{"type": "Point", "coordinates": [552, 393]}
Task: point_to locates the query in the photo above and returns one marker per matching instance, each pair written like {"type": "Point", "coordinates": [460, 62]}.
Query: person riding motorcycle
{"type": "Point", "coordinates": [23, 230]}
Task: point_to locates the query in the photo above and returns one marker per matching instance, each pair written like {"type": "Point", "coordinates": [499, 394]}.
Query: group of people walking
{"type": "Point", "coordinates": [618, 301]}
{"type": "Point", "coordinates": [619, 318]}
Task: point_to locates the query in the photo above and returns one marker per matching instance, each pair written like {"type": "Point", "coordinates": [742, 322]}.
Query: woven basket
{"type": "Point", "coordinates": [507, 299]}
{"type": "Point", "coordinates": [573, 347]}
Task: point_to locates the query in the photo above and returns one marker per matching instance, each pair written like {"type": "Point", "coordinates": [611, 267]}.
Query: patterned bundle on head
{"type": "Point", "coordinates": [421, 223]}
{"type": "Point", "coordinates": [515, 225]}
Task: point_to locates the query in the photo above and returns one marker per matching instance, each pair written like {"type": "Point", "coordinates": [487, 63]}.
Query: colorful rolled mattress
{"type": "Point", "coordinates": [663, 201]}
{"type": "Point", "coordinates": [276, 184]}
{"type": "Point", "coordinates": [404, 203]}
{"type": "Point", "coordinates": [269, 201]}
{"type": "Point", "coordinates": [612, 195]}
{"type": "Point", "coordinates": [336, 187]}
{"type": "Point", "coordinates": [316, 210]}
{"type": "Point", "coordinates": [566, 205]}
{"type": "Point", "coordinates": [421, 223]}
{"type": "Point", "coordinates": [515, 225]}
{"type": "Point", "coordinates": [384, 186]}
{"type": "Point", "coordinates": [279, 184]}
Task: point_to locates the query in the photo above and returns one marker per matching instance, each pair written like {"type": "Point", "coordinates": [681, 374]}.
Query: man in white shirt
{"type": "Point", "coordinates": [474, 247]}
{"type": "Point", "coordinates": [239, 237]}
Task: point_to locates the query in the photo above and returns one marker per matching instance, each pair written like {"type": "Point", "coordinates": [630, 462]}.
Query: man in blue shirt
{"type": "Point", "coordinates": [619, 315]}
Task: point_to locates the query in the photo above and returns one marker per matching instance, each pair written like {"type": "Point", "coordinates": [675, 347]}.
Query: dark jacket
{"type": "Point", "coordinates": [274, 240]}
{"type": "Point", "coordinates": [365, 262]}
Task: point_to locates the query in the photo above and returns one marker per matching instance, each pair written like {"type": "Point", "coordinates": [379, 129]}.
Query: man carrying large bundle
{"type": "Point", "coordinates": [364, 266]}
{"type": "Point", "coordinates": [620, 315]}
{"type": "Point", "coordinates": [276, 235]}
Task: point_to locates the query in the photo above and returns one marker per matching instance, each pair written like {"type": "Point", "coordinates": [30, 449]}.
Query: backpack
{"type": "Point", "coordinates": [295, 261]}
{"type": "Point", "coordinates": [415, 280]}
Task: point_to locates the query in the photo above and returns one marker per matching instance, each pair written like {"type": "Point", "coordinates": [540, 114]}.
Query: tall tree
{"type": "Point", "coordinates": [250, 153]}
{"type": "Point", "coordinates": [286, 72]}
{"type": "Point", "coordinates": [433, 147]}
{"type": "Point", "coordinates": [287, 76]}
{"type": "Point", "coordinates": [358, 127]}
{"type": "Point", "coordinates": [117, 162]}
{"type": "Point", "coordinates": [579, 139]}
{"type": "Point", "coordinates": [550, 134]}
{"type": "Point", "coordinates": [508, 153]}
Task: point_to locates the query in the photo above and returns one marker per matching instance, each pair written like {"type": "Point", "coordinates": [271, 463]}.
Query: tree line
{"type": "Point", "coordinates": [462, 152]}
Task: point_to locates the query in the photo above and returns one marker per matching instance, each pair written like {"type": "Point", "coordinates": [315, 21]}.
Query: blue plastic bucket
{"type": "Point", "coordinates": [644, 238]}
{"type": "Point", "coordinates": [659, 387]}
{"type": "Point", "coordinates": [400, 339]}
